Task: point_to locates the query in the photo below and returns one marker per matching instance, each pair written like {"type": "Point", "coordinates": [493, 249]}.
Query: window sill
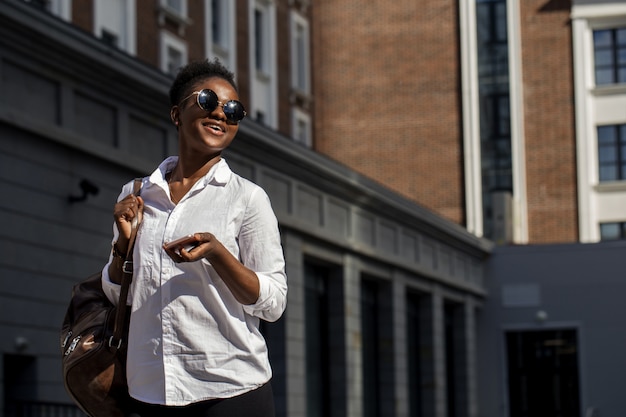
{"type": "Point", "coordinates": [609, 90]}
{"type": "Point", "coordinates": [611, 186]}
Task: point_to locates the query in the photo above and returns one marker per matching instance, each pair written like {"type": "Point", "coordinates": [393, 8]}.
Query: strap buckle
{"type": "Point", "coordinates": [119, 343]}
{"type": "Point", "coordinates": [127, 267]}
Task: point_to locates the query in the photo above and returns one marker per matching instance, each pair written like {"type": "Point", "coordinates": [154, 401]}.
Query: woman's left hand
{"type": "Point", "coordinates": [242, 281]}
{"type": "Point", "coordinates": [198, 246]}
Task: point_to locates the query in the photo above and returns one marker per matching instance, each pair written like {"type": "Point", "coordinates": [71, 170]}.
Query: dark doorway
{"type": "Point", "coordinates": [543, 373]}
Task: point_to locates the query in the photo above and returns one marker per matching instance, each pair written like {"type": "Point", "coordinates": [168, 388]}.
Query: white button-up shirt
{"type": "Point", "coordinates": [190, 339]}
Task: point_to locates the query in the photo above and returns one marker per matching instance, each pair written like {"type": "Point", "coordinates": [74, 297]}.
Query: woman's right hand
{"type": "Point", "coordinates": [125, 212]}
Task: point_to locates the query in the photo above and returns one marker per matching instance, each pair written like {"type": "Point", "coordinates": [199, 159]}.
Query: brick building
{"type": "Point", "coordinates": [474, 110]}
{"type": "Point", "coordinates": [394, 140]}
{"type": "Point", "coordinates": [485, 112]}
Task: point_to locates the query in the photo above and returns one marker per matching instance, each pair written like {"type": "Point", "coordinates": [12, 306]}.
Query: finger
{"type": "Point", "coordinates": [184, 255]}
{"type": "Point", "coordinates": [172, 253]}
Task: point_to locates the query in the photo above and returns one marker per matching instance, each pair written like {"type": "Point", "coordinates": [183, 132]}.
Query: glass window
{"type": "Point", "coordinates": [173, 53]}
{"type": "Point", "coordinates": [612, 152]}
{"type": "Point", "coordinates": [217, 22]}
{"type": "Point", "coordinates": [179, 7]}
{"type": "Point", "coordinates": [299, 53]}
{"type": "Point", "coordinates": [221, 31]}
{"type": "Point", "coordinates": [302, 127]}
{"type": "Point", "coordinates": [495, 112]}
{"type": "Point", "coordinates": [174, 60]}
{"type": "Point", "coordinates": [115, 23]}
{"type": "Point", "coordinates": [612, 231]}
{"type": "Point", "coordinates": [260, 40]}
{"type": "Point", "coordinates": [610, 56]}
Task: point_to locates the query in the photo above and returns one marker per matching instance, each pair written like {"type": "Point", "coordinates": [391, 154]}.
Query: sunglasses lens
{"type": "Point", "coordinates": [234, 111]}
{"type": "Point", "coordinates": [207, 99]}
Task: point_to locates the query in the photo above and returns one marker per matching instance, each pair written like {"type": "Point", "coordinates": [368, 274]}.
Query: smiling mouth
{"type": "Point", "coordinates": [213, 126]}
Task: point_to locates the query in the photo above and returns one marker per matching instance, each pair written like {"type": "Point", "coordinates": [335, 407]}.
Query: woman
{"type": "Point", "coordinates": [194, 345]}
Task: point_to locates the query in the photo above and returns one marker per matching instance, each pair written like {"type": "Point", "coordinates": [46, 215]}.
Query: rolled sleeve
{"type": "Point", "coordinates": [272, 299]}
{"type": "Point", "coordinates": [261, 251]}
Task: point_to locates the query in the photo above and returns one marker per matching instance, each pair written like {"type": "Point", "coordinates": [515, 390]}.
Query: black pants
{"type": "Point", "coordinates": [257, 403]}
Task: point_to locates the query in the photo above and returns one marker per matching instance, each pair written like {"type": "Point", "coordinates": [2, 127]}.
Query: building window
{"type": "Point", "coordinates": [302, 127]}
{"type": "Point", "coordinates": [173, 53]}
{"type": "Point", "coordinates": [613, 231]}
{"type": "Point", "coordinates": [115, 20]}
{"type": "Point", "coordinates": [495, 113]}
{"type": "Point", "coordinates": [612, 152]}
{"type": "Point", "coordinates": [261, 30]}
{"type": "Point", "coordinates": [263, 62]}
{"type": "Point", "coordinates": [610, 55]}
{"type": "Point", "coordinates": [218, 23]}
{"type": "Point", "coordinates": [221, 29]}
{"type": "Point", "coordinates": [300, 53]}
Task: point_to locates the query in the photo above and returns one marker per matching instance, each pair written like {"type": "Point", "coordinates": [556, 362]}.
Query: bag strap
{"type": "Point", "coordinates": [115, 342]}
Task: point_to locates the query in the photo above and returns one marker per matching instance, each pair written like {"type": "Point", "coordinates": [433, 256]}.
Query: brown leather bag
{"type": "Point", "coordinates": [93, 342]}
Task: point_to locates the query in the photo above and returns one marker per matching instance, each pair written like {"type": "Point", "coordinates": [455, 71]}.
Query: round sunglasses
{"type": "Point", "coordinates": [208, 101]}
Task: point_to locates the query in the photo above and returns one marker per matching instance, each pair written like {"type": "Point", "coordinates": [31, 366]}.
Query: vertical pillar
{"type": "Point", "coordinates": [354, 366]}
{"type": "Point", "coordinates": [295, 360]}
{"type": "Point", "coordinates": [438, 354]}
{"type": "Point", "coordinates": [401, 393]}
{"type": "Point", "coordinates": [470, 360]}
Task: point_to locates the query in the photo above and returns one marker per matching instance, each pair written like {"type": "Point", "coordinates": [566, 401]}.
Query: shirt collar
{"type": "Point", "coordinates": [219, 174]}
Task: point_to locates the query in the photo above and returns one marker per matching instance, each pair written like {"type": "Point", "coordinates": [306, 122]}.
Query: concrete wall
{"type": "Point", "coordinates": [577, 286]}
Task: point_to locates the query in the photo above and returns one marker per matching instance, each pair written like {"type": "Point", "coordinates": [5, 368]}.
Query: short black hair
{"type": "Point", "coordinates": [195, 72]}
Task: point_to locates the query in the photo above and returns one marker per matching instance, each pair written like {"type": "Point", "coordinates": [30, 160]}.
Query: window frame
{"type": "Point", "coordinates": [299, 116]}
{"type": "Point", "coordinates": [166, 41]}
{"type": "Point", "coordinates": [619, 147]}
{"type": "Point", "coordinates": [616, 68]}
{"type": "Point", "coordinates": [621, 234]}
{"type": "Point", "coordinates": [127, 39]}
{"type": "Point", "coordinates": [300, 53]}
{"type": "Point", "coordinates": [225, 49]}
